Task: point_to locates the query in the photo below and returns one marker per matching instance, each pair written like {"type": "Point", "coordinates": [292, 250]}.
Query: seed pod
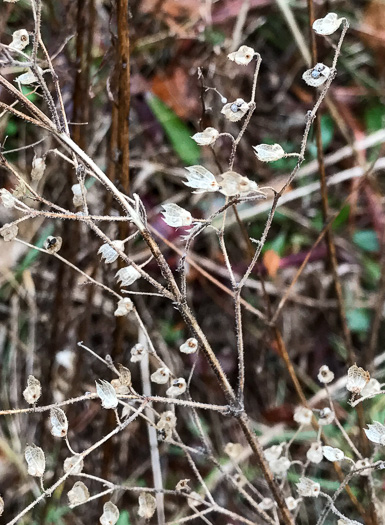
{"type": "Point", "coordinates": [108, 253]}
{"type": "Point", "coordinates": [53, 244]}
{"type": "Point", "coordinates": [190, 346]}
{"type": "Point", "coordinates": [269, 152]}
{"type": "Point", "coordinates": [147, 505]}
{"type": "Point", "coordinates": [243, 56]}
{"type": "Point", "coordinates": [161, 376]}
{"type": "Point", "coordinates": [316, 76]}
{"type": "Point", "coordinates": [110, 514]}
{"type": "Point", "coordinates": [20, 40]}
{"type": "Point", "coordinates": [201, 179]}
{"type": "Point", "coordinates": [70, 462]}
{"type": "Point", "coordinates": [33, 391]}
{"type": "Point", "coordinates": [125, 306]}
{"type": "Point", "coordinates": [308, 488]}
{"type": "Point", "coordinates": [175, 216]}
{"type": "Point", "coordinates": [127, 276]}
{"type": "Point", "coordinates": [236, 110]}
{"type": "Point", "coordinates": [78, 494]}
{"type": "Point", "coordinates": [137, 353]}
{"type": "Point", "coordinates": [333, 454]}
{"type": "Point", "coordinates": [59, 422]}
{"type": "Point", "coordinates": [357, 379]}
{"type": "Point", "coordinates": [206, 137]}
{"type": "Point", "coordinates": [9, 232]}
{"type": "Point", "coordinates": [35, 459]}
{"type": "Point", "coordinates": [177, 388]}
{"type": "Point", "coordinates": [233, 450]}
{"type": "Point", "coordinates": [327, 25]}
{"type": "Point", "coordinates": [38, 168]}
{"type": "Point", "coordinates": [107, 394]}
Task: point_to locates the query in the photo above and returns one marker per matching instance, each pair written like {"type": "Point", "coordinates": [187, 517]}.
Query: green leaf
{"type": "Point", "coordinates": [375, 117]}
{"type": "Point", "coordinates": [367, 240]}
{"type": "Point", "coordinates": [11, 128]}
{"type": "Point", "coordinates": [54, 515]}
{"type": "Point", "coordinates": [372, 270]}
{"type": "Point", "coordinates": [214, 36]}
{"type": "Point", "coordinates": [278, 244]}
{"type": "Point", "coordinates": [177, 132]}
{"type": "Point", "coordinates": [124, 518]}
{"type": "Point", "coordinates": [327, 130]}
{"type": "Point", "coordinates": [31, 96]}
{"type": "Point", "coordinates": [169, 333]}
{"type": "Point", "coordinates": [342, 217]}
{"type": "Point", "coordinates": [358, 320]}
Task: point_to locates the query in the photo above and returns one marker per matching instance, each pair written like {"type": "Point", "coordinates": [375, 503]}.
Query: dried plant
{"type": "Point", "coordinates": [285, 485]}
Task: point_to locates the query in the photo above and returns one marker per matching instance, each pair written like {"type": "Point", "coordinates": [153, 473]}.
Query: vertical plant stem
{"type": "Point", "coordinates": [333, 263]}
{"type": "Point", "coordinates": [244, 423]}
{"type": "Point", "coordinates": [123, 66]}
{"type": "Point", "coordinates": [375, 328]}
{"type": "Point", "coordinates": [153, 439]}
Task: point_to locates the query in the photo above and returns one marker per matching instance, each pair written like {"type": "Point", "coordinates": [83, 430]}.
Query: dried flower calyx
{"type": "Point", "coordinates": [325, 375]}
{"type": "Point", "coordinates": [243, 56]}
{"type": "Point", "coordinates": [28, 78]}
{"type": "Point", "coordinates": [59, 422]}
{"type": "Point", "coordinates": [315, 454]}
{"type": "Point", "coordinates": [176, 216]}
{"type": "Point", "coordinates": [9, 231]}
{"type": "Point", "coordinates": [303, 415]}
{"type": "Point", "coordinates": [266, 504]}
{"type": "Point", "coordinates": [33, 391]}
{"type": "Point", "coordinates": [327, 25]}
{"type": "Point", "coordinates": [183, 486]}
{"type": "Point", "coordinates": [125, 306]}
{"type": "Point", "coordinates": [371, 388]}
{"type": "Point", "coordinates": [7, 198]}
{"type": "Point", "coordinates": [361, 464]}
{"type": "Point", "coordinates": [166, 424]}
{"type": "Point", "coordinates": [206, 137]}
{"type": "Point", "coordinates": [107, 394]}
{"type": "Point", "coordinates": [124, 375]}
{"type": "Point", "coordinates": [69, 464]}
{"type": "Point", "coordinates": [332, 454]}
{"type": "Point", "coordinates": [177, 388]}
{"type": "Point", "coordinates": [147, 505]}
{"type": "Point", "coordinates": [234, 450]}
{"type": "Point", "coordinates": [108, 253]}
{"type": "Point", "coordinates": [308, 488]}
{"type": "Point", "coordinates": [269, 152]}
{"type": "Point", "coordinates": [357, 379]}
{"type": "Point", "coordinates": [326, 416]}
{"type": "Point", "coordinates": [78, 494]}
{"type": "Point", "coordinates": [127, 276]}
{"type": "Point", "coordinates": [376, 433]}
{"type": "Point", "coordinates": [110, 514]}
{"type": "Point", "coordinates": [38, 168]}
{"type": "Point", "coordinates": [53, 244]}
{"type": "Point", "coordinates": [161, 376]}
{"type": "Point", "coordinates": [236, 110]}
{"type": "Point", "coordinates": [316, 76]}
{"type": "Point", "coordinates": [20, 40]}
{"type": "Point", "coordinates": [35, 459]}
{"type": "Point", "coordinates": [137, 353]}
{"type": "Point", "coordinates": [190, 346]}
{"type": "Point", "coordinates": [201, 179]}
{"type": "Point", "coordinates": [232, 183]}
{"type": "Point", "coordinates": [77, 198]}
